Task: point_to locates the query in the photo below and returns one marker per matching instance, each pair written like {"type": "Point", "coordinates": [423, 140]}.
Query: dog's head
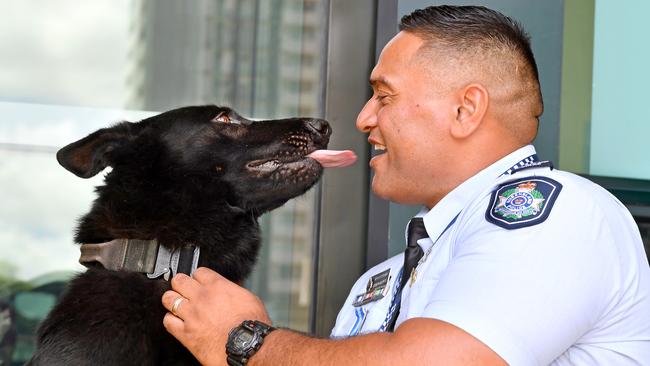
{"type": "Point", "coordinates": [251, 165]}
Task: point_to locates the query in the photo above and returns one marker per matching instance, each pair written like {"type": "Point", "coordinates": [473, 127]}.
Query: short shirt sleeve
{"type": "Point", "coordinates": [528, 293]}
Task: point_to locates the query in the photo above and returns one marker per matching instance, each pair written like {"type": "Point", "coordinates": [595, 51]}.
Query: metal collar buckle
{"type": "Point", "coordinates": [167, 262]}
{"type": "Point", "coordinates": [144, 256]}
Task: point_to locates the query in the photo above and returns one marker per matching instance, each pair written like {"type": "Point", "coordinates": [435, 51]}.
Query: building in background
{"type": "Point", "coordinates": [262, 57]}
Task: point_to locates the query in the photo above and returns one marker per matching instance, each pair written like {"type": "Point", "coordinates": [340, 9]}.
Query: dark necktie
{"type": "Point", "coordinates": [412, 256]}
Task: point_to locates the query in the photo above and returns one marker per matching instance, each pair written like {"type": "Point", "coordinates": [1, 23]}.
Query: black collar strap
{"type": "Point", "coordinates": [144, 256]}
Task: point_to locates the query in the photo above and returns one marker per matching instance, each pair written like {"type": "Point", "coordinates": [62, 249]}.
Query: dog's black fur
{"type": "Point", "coordinates": [199, 175]}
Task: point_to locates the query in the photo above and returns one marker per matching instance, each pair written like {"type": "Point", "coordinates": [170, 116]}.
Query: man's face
{"type": "Point", "coordinates": [409, 113]}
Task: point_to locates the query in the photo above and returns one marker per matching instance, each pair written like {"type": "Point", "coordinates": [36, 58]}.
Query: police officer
{"type": "Point", "coordinates": [509, 262]}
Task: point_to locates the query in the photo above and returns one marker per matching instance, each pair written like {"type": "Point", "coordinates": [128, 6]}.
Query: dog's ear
{"type": "Point", "coordinates": [90, 155]}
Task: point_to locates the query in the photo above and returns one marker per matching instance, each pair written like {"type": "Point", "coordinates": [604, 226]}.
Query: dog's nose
{"type": "Point", "coordinates": [319, 126]}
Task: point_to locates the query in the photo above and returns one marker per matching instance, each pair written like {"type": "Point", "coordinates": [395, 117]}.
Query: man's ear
{"type": "Point", "coordinates": [471, 110]}
{"type": "Point", "coordinates": [90, 155]}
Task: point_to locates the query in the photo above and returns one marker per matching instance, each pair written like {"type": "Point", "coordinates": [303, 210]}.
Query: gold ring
{"type": "Point", "coordinates": [176, 304]}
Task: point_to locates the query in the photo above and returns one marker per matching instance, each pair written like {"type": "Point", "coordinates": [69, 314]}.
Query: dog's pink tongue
{"type": "Point", "coordinates": [334, 158]}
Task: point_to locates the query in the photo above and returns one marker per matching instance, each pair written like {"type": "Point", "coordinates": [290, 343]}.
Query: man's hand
{"type": "Point", "coordinates": [210, 308]}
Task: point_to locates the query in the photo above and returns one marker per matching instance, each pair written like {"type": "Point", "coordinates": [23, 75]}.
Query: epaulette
{"type": "Point", "coordinates": [525, 165]}
{"type": "Point", "coordinates": [523, 202]}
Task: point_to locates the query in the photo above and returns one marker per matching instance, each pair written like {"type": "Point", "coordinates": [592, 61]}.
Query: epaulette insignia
{"type": "Point", "coordinates": [530, 165]}
{"type": "Point", "coordinates": [523, 202]}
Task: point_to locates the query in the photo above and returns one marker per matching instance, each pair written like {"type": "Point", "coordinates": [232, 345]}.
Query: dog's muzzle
{"type": "Point", "coordinates": [144, 256]}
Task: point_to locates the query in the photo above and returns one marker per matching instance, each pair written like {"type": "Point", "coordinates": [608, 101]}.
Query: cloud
{"type": "Point", "coordinates": [65, 51]}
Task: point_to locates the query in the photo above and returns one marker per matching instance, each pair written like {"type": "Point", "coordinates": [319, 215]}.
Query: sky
{"type": "Point", "coordinates": [65, 51]}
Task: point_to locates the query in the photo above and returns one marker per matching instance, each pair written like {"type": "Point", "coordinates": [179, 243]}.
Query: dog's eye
{"type": "Point", "coordinates": [222, 117]}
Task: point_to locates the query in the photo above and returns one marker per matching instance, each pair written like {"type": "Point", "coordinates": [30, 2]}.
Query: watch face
{"type": "Point", "coordinates": [242, 339]}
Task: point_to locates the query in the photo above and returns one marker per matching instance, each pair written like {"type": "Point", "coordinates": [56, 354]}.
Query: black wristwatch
{"type": "Point", "coordinates": [244, 340]}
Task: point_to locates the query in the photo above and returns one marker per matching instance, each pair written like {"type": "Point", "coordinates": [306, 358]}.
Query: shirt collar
{"type": "Point", "coordinates": [438, 218]}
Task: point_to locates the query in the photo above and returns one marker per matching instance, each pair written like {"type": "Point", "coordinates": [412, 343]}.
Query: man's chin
{"type": "Point", "coordinates": [394, 192]}
{"type": "Point", "coordinates": [383, 190]}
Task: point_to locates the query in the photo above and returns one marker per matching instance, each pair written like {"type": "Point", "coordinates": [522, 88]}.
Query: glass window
{"type": "Point", "coordinates": [70, 68]}
{"type": "Point", "coordinates": [619, 133]}
{"type": "Point", "coordinates": [602, 133]}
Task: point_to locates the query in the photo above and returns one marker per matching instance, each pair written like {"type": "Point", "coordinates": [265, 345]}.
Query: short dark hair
{"type": "Point", "coordinates": [464, 27]}
{"type": "Point", "coordinates": [479, 33]}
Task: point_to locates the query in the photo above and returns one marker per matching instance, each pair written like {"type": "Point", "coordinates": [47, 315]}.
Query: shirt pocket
{"type": "Point", "coordinates": [416, 298]}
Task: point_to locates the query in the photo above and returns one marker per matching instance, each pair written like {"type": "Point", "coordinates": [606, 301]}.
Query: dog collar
{"type": "Point", "coordinates": [144, 256]}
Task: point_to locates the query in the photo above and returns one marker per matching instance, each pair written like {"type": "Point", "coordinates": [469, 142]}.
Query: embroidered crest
{"type": "Point", "coordinates": [524, 202]}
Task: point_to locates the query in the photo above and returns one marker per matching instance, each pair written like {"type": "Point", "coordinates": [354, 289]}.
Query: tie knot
{"type": "Point", "coordinates": [416, 231]}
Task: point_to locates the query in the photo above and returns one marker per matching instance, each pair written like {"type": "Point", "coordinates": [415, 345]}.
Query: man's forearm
{"type": "Point", "coordinates": [417, 341]}
{"type": "Point", "coordinates": [286, 347]}
{"type": "Point", "coordinates": [204, 332]}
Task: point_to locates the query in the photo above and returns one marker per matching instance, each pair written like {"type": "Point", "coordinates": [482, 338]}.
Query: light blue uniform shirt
{"type": "Point", "coordinates": [573, 289]}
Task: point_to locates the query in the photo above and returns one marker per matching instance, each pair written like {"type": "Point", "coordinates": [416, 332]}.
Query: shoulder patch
{"type": "Point", "coordinates": [522, 202]}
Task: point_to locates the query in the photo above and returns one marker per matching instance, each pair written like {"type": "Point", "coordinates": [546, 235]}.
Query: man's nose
{"type": "Point", "coordinates": [367, 118]}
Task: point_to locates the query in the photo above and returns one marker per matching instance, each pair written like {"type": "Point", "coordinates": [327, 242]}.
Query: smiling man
{"type": "Point", "coordinates": [509, 261]}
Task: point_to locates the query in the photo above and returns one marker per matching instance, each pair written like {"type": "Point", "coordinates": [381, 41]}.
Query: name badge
{"type": "Point", "coordinates": [376, 289]}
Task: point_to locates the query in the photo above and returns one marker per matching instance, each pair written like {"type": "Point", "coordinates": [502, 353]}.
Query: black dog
{"type": "Point", "coordinates": [196, 176]}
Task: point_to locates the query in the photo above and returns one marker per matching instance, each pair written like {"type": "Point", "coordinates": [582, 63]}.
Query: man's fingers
{"type": "Point", "coordinates": [185, 285]}
{"type": "Point", "coordinates": [205, 275]}
{"type": "Point", "coordinates": [175, 303]}
{"type": "Point", "coordinates": [174, 326]}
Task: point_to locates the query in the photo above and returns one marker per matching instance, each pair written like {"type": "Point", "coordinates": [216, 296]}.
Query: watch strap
{"type": "Point", "coordinates": [232, 361]}
{"type": "Point", "coordinates": [259, 327]}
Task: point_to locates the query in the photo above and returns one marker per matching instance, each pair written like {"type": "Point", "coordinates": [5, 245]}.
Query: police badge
{"type": "Point", "coordinates": [524, 202]}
